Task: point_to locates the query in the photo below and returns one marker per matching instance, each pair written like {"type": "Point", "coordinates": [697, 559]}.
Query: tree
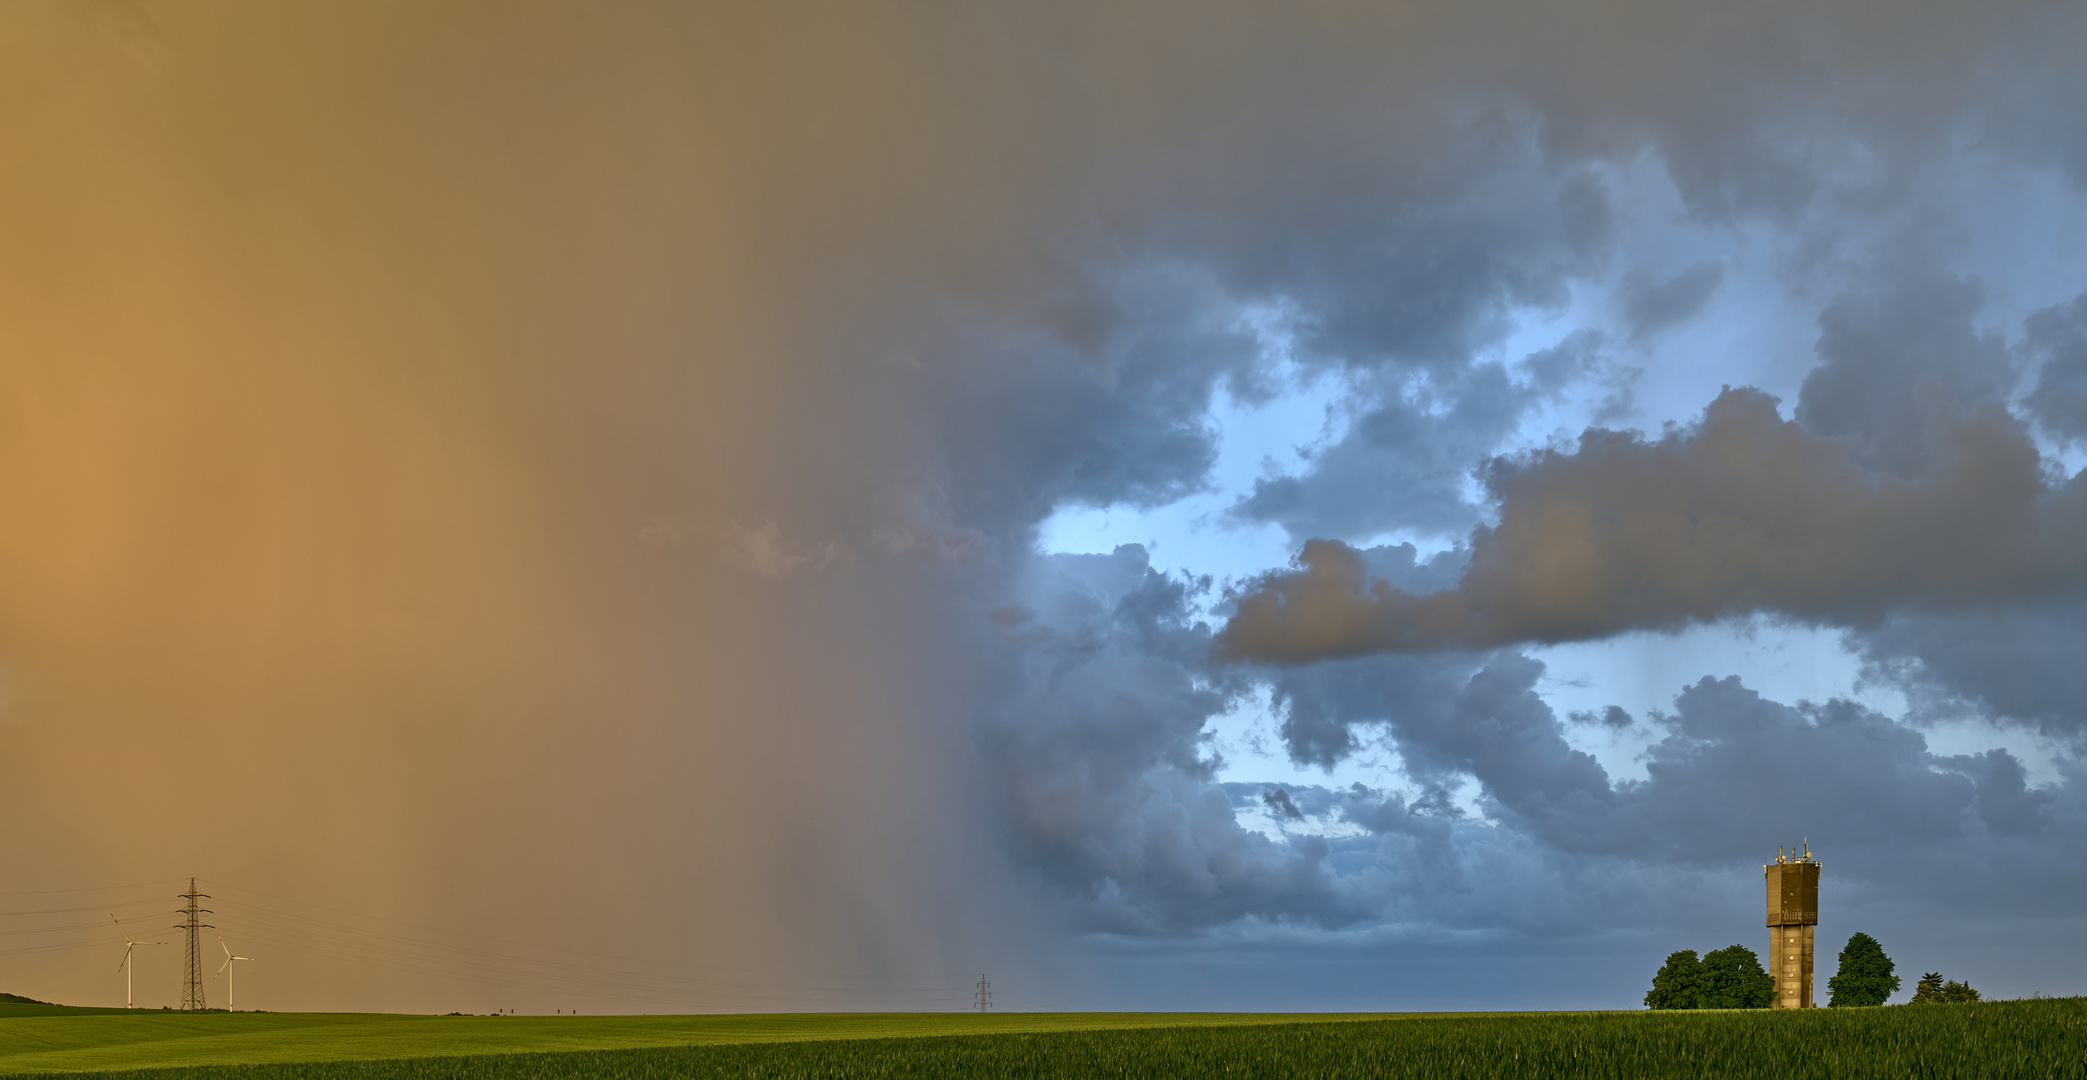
{"type": "Point", "coordinates": [1732, 978]}
{"type": "Point", "coordinates": [1956, 993]}
{"type": "Point", "coordinates": [1865, 976]}
{"type": "Point", "coordinates": [1676, 983]}
{"type": "Point", "coordinates": [1933, 991]}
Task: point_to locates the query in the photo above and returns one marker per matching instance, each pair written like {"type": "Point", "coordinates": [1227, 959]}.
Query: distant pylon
{"type": "Point", "coordinates": [984, 998]}
{"type": "Point", "coordinates": [192, 979]}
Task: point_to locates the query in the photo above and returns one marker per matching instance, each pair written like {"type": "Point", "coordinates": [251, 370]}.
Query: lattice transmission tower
{"type": "Point", "coordinates": [191, 924]}
{"type": "Point", "coordinates": [983, 1000]}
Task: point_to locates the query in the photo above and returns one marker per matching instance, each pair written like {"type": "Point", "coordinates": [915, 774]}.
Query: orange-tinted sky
{"type": "Point", "coordinates": [393, 400]}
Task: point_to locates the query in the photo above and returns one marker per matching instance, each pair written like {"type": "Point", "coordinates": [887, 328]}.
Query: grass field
{"type": "Point", "coordinates": [2000, 1039]}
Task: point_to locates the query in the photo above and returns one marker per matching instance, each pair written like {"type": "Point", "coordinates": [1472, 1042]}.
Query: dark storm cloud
{"type": "Point", "coordinates": [1613, 717]}
{"type": "Point", "coordinates": [1743, 511]}
{"type": "Point", "coordinates": [1106, 783]}
{"type": "Point", "coordinates": [2057, 338]}
{"type": "Point", "coordinates": [2016, 664]}
{"type": "Point", "coordinates": [1448, 716]}
{"type": "Point", "coordinates": [1899, 363]}
{"type": "Point", "coordinates": [1278, 803]}
{"type": "Point", "coordinates": [1101, 402]}
{"type": "Point", "coordinates": [1110, 788]}
{"type": "Point", "coordinates": [1112, 791]}
{"type": "Point", "coordinates": [1401, 464]}
{"type": "Point", "coordinates": [1729, 768]}
{"type": "Point", "coordinates": [1387, 188]}
{"type": "Point", "coordinates": [1651, 304]}
{"type": "Point", "coordinates": [1394, 257]}
{"type": "Point", "coordinates": [1445, 261]}
{"type": "Point", "coordinates": [1406, 459]}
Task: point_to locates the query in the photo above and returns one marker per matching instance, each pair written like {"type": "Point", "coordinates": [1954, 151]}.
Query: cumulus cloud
{"type": "Point", "coordinates": [1900, 365]}
{"type": "Point", "coordinates": [1743, 511]}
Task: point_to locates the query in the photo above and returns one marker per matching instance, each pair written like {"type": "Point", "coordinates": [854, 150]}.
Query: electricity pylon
{"type": "Point", "coordinates": [192, 979]}
{"type": "Point", "coordinates": [984, 998]}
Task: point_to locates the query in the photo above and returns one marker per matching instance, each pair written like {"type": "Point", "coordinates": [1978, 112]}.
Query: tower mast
{"type": "Point", "coordinates": [1793, 915]}
{"type": "Point", "coordinates": [192, 978]}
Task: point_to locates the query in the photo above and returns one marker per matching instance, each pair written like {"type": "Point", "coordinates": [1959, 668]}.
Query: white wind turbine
{"type": "Point", "coordinates": [225, 969]}
{"type": "Point", "coordinates": [126, 967]}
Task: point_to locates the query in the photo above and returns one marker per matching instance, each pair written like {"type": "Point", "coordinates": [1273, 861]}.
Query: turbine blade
{"type": "Point", "coordinates": [221, 968]}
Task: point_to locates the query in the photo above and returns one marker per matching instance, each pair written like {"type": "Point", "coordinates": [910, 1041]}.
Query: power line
{"type": "Point", "coordinates": [95, 888]}
{"type": "Point", "coordinates": [220, 884]}
{"type": "Point", "coordinates": [431, 952]}
{"type": "Point", "coordinates": [521, 972]}
{"type": "Point", "coordinates": [54, 929]}
{"type": "Point", "coordinates": [90, 907]}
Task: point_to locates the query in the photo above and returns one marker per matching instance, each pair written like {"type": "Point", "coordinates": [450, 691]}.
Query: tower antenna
{"type": "Point", "coordinates": [192, 978]}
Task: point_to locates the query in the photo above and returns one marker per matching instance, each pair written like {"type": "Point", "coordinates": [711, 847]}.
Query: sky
{"type": "Point", "coordinates": [650, 507]}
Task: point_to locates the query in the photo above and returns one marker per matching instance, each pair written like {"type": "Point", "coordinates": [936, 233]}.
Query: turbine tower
{"type": "Point", "coordinates": [126, 967]}
{"type": "Point", "coordinates": [225, 969]}
{"type": "Point", "coordinates": [191, 922]}
{"type": "Point", "coordinates": [1793, 913]}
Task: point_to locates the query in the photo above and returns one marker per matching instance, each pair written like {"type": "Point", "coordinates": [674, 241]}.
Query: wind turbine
{"type": "Point", "coordinates": [126, 967]}
{"type": "Point", "coordinates": [225, 969]}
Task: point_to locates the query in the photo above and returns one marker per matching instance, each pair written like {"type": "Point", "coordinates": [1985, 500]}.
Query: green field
{"type": "Point", "coordinates": [2002, 1039]}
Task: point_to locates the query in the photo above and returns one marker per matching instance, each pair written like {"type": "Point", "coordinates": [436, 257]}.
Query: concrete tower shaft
{"type": "Point", "coordinates": [1793, 916]}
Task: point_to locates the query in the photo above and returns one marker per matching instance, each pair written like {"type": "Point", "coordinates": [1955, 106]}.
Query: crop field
{"type": "Point", "coordinates": [2029, 1039]}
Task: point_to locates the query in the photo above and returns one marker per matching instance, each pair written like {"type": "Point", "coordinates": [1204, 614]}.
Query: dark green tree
{"type": "Point", "coordinates": [1956, 993]}
{"type": "Point", "coordinates": [1676, 983]}
{"type": "Point", "coordinates": [1929, 990]}
{"type": "Point", "coordinates": [1732, 978]}
{"type": "Point", "coordinates": [1865, 976]}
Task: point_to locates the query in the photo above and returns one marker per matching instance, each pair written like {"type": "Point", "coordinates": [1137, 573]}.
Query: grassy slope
{"type": "Point", "coordinates": [99, 1040]}
{"type": "Point", "coordinates": [2043, 1039]}
{"type": "Point", "coordinates": [2029, 1039]}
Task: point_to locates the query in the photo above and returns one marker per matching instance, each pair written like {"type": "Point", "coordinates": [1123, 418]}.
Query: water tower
{"type": "Point", "coordinates": [1793, 913]}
